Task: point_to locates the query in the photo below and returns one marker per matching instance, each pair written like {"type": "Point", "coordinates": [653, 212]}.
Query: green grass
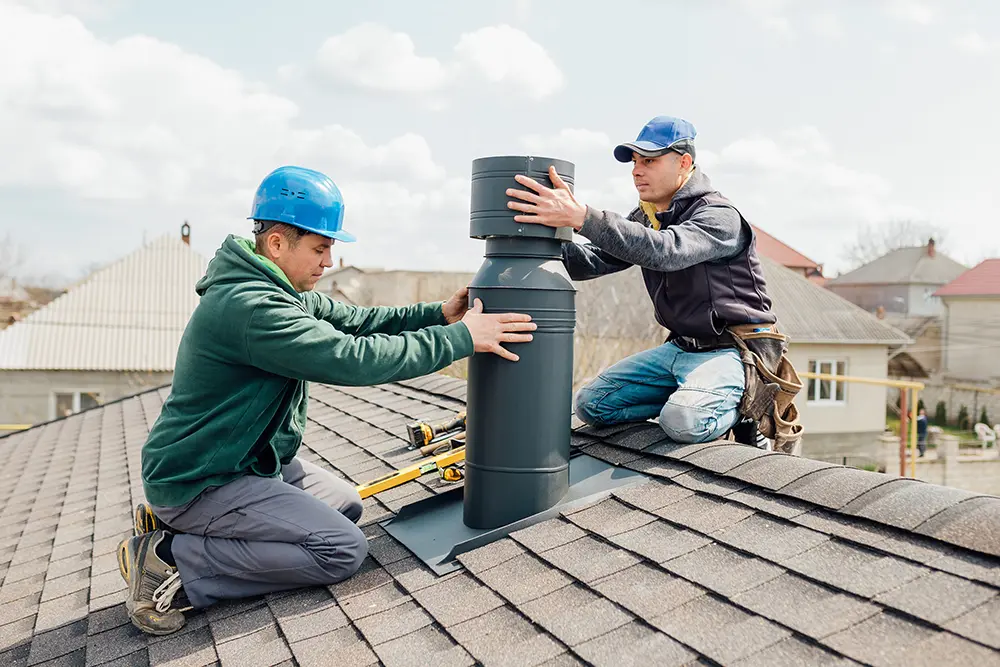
{"type": "Point", "coordinates": [892, 423]}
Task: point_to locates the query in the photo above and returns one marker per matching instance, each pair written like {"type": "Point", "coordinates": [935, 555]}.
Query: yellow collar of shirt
{"type": "Point", "coordinates": [650, 211]}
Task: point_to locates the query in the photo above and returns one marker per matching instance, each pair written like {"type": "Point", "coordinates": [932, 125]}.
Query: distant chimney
{"type": "Point", "coordinates": [186, 233]}
{"type": "Point", "coordinates": [880, 312]}
{"type": "Point", "coordinates": [930, 247]}
{"type": "Point", "coordinates": [341, 262]}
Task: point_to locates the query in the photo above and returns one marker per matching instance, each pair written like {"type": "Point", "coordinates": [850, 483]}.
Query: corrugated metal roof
{"type": "Point", "coordinates": [904, 266]}
{"type": "Point", "coordinates": [809, 313]}
{"type": "Point", "coordinates": [983, 280]}
{"type": "Point", "coordinates": [127, 316]}
{"type": "Point", "coordinates": [618, 306]}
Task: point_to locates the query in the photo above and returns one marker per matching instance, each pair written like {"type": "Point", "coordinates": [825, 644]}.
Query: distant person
{"type": "Point", "coordinates": [699, 263]}
{"type": "Point", "coordinates": [233, 512]}
{"type": "Point", "coordinates": [922, 431]}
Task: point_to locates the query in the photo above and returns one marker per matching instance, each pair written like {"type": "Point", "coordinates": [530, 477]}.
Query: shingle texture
{"type": "Point", "coordinates": [725, 556]}
{"type": "Point", "coordinates": [127, 316]}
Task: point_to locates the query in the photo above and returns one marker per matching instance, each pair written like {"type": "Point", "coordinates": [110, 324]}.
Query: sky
{"type": "Point", "coordinates": [120, 120]}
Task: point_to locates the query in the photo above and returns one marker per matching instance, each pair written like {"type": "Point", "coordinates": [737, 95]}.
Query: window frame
{"type": "Point", "coordinates": [814, 386]}
{"type": "Point", "coordinates": [76, 394]}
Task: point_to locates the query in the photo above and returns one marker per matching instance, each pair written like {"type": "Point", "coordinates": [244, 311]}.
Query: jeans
{"type": "Point", "coordinates": [694, 395]}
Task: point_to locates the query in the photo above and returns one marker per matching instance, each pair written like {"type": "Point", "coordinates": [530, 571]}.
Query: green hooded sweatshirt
{"type": "Point", "coordinates": [238, 401]}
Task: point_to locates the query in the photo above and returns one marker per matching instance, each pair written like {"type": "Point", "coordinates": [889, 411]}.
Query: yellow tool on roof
{"type": "Point", "coordinates": [445, 464]}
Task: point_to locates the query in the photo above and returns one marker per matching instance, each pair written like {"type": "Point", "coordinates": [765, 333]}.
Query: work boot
{"type": "Point", "coordinates": [145, 520]}
{"type": "Point", "coordinates": [746, 432]}
{"type": "Point", "coordinates": [152, 585]}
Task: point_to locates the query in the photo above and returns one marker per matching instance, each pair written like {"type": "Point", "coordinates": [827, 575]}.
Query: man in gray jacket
{"type": "Point", "coordinates": [699, 264]}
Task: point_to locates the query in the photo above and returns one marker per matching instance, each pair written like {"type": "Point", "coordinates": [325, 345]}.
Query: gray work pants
{"type": "Point", "coordinates": [259, 535]}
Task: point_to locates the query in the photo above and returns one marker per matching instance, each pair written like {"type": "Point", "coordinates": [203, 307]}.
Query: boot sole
{"type": "Point", "coordinates": [153, 631]}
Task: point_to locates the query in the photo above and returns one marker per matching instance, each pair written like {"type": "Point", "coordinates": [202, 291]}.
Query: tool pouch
{"type": "Point", "coordinates": [770, 383]}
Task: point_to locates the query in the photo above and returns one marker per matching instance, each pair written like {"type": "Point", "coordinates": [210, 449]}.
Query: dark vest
{"type": "Point", "coordinates": [702, 300]}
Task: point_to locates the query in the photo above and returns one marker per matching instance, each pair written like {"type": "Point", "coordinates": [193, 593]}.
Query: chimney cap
{"type": "Point", "coordinates": [186, 233]}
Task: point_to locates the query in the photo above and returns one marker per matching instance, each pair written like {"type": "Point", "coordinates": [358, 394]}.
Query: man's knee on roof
{"type": "Point", "coordinates": [340, 552]}
{"type": "Point", "coordinates": [693, 415]}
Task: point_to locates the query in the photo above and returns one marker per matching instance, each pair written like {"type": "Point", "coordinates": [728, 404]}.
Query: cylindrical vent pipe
{"type": "Point", "coordinates": [518, 423]}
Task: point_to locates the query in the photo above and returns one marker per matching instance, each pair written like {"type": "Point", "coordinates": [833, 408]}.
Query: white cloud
{"type": "Point", "coordinates": [911, 10]}
{"type": "Point", "coordinates": [151, 134]}
{"type": "Point", "coordinates": [567, 142]}
{"type": "Point", "coordinates": [503, 54]}
{"type": "Point", "coordinates": [373, 57]}
{"type": "Point", "coordinates": [975, 43]}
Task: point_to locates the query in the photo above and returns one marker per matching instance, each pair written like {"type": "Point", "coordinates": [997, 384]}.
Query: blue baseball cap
{"type": "Point", "coordinates": [659, 136]}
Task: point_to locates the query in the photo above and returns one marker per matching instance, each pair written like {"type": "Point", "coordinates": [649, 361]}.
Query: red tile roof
{"type": "Point", "coordinates": [780, 252]}
{"type": "Point", "coordinates": [981, 280]}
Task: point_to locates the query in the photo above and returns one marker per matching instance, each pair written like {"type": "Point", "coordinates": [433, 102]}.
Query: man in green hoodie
{"type": "Point", "coordinates": [243, 514]}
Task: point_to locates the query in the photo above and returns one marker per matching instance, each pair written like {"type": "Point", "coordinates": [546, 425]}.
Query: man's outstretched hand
{"type": "Point", "coordinates": [454, 308]}
{"type": "Point", "coordinates": [547, 206]}
{"type": "Point", "coordinates": [489, 330]}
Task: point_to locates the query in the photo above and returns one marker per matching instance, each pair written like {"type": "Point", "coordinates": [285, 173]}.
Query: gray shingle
{"type": "Point", "coordinates": [723, 570]}
{"type": "Point", "coordinates": [660, 541]}
{"type": "Point", "coordinates": [944, 649]}
{"type": "Point", "coordinates": [193, 649]}
{"type": "Point", "coordinates": [813, 610]}
{"type": "Point", "coordinates": [974, 524]}
{"type": "Point", "coordinates": [880, 640]}
{"type": "Point", "coordinates": [776, 470]}
{"type": "Point", "coordinates": [858, 570]}
{"type": "Point", "coordinates": [240, 625]}
{"type": "Point", "coordinates": [413, 575]}
{"type": "Point", "coordinates": [724, 458]}
{"type": "Point", "coordinates": [770, 503]}
{"type": "Point", "coordinates": [770, 538]}
{"type": "Point", "coordinates": [845, 527]}
{"type": "Point", "coordinates": [547, 534]}
{"type": "Point", "coordinates": [114, 644]}
{"type": "Point", "coordinates": [609, 517]}
{"type": "Point", "coordinates": [937, 597]}
{"type": "Point", "coordinates": [490, 555]}
{"type": "Point", "coordinates": [263, 648]}
{"type": "Point", "coordinates": [368, 577]}
{"type": "Point", "coordinates": [574, 614]}
{"type": "Point", "coordinates": [905, 503]}
{"type": "Point", "coordinates": [377, 600]}
{"type": "Point", "coordinates": [107, 619]}
{"type": "Point", "coordinates": [588, 559]}
{"type": "Point", "coordinates": [635, 645]}
{"type": "Point", "coordinates": [392, 623]}
{"type": "Point", "coordinates": [638, 437]}
{"type": "Point", "coordinates": [656, 466]}
{"type": "Point", "coordinates": [62, 610]}
{"type": "Point", "coordinates": [340, 647]}
{"type": "Point", "coordinates": [524, 578]}
{"type": "Point", "coordinates": [980, 624]}
{"type": "Point", "coordinates": [794, 652]}
{"type": "Point", "coordinates": [703, 481]}
{"type": "Point", "coordinates": [504, 637]}
{"type": "Point", "coordinates": [457, 599]}
{"type": "Point", "coordinates": [17, 632]}
{"type": "Point", "coordinates": [428, 646]}
{"type": "Point", "coordinates": [720, 631]}
{"type": "Point", "coordinates": [834, 487]}
{"type": "Point", "coordinates": [652, 495]}
{"type": "Point", "coordinates": [704, 514]}
{"type": "Point", "coordinates": [677, 450]}
{"type": "Point", "coordinates": [19, 608]}
{"type": "Point", "coordinates": [611, 454]}
{"type": "Point", "coordinates": [307, 613]}
{"type": "Point", "coordinates": [54, 643]}
{"type": "Point", "coordinates": [647, 591]}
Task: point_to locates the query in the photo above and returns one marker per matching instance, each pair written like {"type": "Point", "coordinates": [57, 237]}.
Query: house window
{"type": "Point", "coordinates": [826, 391]}
{"type": "Point", "coordinates": [66, 403]}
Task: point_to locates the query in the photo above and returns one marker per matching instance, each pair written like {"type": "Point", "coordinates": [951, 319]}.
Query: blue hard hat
{"type": "Point", "coordinates": [657, 137]}
{"type": "Point", "coordinates": [302, 198]}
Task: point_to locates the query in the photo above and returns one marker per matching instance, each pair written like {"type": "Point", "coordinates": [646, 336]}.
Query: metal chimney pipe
{"type": "Point", "coordinates": [518, 423]}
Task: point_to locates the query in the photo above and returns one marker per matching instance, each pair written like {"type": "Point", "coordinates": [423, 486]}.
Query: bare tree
{"type": "Point", "coordinates": [873, 241]}
{"type": "Point", "coordinates": [11, 257]}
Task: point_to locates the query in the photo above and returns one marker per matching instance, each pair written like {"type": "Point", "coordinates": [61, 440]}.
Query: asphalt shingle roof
{"type": "Point", "coordinates": [727, 555]}
{"type": "Point", "coordinates": [904, 266]}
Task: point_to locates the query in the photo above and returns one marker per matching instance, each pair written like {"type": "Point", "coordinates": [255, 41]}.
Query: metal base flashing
{"type": "Point", "coordinates": [433, 529]}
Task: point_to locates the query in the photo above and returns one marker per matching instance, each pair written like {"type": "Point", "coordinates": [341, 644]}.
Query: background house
{"type": "Point", "coordinates": [972, 323]}
{"type": "Point", "coordinates": [615, 319]}
{"type": "Point", "coordinates": [788, 257]}
{"type": "Point", "coordinates": [109, 336]}
{"type": "Point", "coordinates": [17, 301]}
{"type": "Point", "coordinates": [901, 282]}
